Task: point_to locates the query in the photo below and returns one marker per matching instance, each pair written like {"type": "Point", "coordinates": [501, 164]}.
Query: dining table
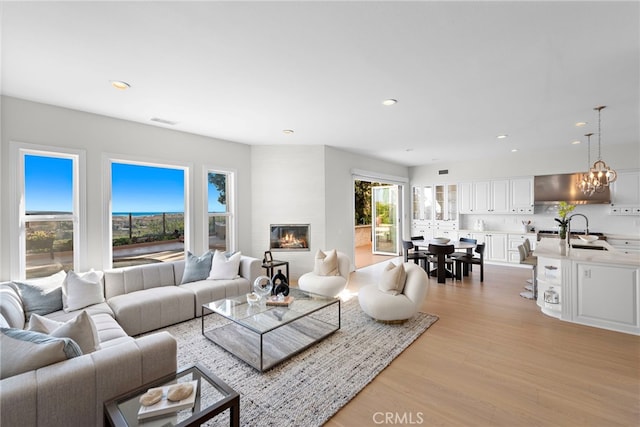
{"type": "Point", "coordinates": [441, 271]}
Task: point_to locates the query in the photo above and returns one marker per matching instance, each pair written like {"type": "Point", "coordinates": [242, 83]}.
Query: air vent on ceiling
{"type": "Point", "coordinates": [443, 172]}
{"type": "Point", "coordinates": [163, 121]}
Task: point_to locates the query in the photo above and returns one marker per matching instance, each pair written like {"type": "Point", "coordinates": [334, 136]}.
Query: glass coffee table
{"type": "Point", "coordinates": [263, 335]}
{"type": "Point", "coordinates": [213, 397]}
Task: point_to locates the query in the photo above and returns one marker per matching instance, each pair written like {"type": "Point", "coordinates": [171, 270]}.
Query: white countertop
{"type": "Point", "coordinates": [551, 248]}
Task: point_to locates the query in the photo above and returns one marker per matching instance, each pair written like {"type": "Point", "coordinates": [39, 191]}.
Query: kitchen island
{"type": "Point", "coordinates": [592, 284]}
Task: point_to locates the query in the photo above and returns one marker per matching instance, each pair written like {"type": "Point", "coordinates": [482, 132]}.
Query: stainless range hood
{"type": "Point", "coordinates": [552, 189]}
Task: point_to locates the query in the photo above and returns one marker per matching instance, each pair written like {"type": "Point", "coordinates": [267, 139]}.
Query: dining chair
{"type": "Point", "coordinates": [418, 257]}
{"type": "Point", "coordinates": [468, 240]}
{"type": "Point", "coordinates": [470, 259]}
{"type": "Point", "coordinates": [440, 257]}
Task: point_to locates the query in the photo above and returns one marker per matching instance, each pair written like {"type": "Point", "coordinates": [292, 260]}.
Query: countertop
{"type": "Point", "coordinates": [551, 248]}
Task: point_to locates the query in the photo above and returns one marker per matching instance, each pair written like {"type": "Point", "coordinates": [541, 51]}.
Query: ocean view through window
{"type": "Point", "coordinates": [49, 213]}
{"type": "Point", "coordinates": [147, 216]}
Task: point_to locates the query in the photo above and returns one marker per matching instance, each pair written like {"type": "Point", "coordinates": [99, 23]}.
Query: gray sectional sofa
{"type": "Point", "coordinates": [137, 300]}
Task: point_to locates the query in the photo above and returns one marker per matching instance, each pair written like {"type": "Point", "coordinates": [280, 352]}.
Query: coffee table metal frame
{"type": "Point", "coordinates": [116, 415]}
{"type": "Point", "coordinates": [263, 336]}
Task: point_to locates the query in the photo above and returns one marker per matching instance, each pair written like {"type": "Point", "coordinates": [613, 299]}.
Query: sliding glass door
{"type": "Point", "coordinates": [384, 215]}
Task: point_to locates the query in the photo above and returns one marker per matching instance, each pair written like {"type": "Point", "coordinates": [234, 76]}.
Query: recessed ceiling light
{"type": "Point", "coordinates": [580, 124]}
{"type": "Point", "coordinates": [503, 136]}
{"type": "Point", "coordinates": [408, 150]}
{"type": "Point", "coordinates": [514, 150]}
{"type": "Point", "coordinates": [287, 131]}
{"type": "Point", "coordinates": [120, 85]}
{"type": "Point", "coordinates": [576, 142]}
{"type": "Point", "coordinates": [389, 101]}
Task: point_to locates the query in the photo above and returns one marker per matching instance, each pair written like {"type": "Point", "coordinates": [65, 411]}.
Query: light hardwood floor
{"type": "Point", "coordinates": [493, 359]}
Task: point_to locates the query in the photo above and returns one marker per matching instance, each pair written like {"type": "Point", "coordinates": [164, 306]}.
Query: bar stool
{"type": "Point", "coordinates": [533, 262]}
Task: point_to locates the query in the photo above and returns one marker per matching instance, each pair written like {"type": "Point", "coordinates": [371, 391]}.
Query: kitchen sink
{"type": "Point", "coordinates": [591, 247]}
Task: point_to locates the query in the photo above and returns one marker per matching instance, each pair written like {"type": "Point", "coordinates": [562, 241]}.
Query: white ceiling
{"type": "Point", "coordinates": [462, 72]}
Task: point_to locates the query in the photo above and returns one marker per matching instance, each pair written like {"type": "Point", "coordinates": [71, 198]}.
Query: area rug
{"type": "Point", "coordinates": [311, 387]}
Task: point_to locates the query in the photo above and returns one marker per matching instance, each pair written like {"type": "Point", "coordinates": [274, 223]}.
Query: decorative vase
{"type": "Point", "coordinates": [280, 285]}
{"type": "Point", "coordinates": [262, 286]}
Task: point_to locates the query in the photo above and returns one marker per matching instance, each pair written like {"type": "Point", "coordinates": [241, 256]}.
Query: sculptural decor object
{"type": "Point", "coordinates": [280, 285]}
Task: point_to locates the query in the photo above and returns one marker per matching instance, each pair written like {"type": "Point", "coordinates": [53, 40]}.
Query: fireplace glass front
{"type": "Point", "coordinates": [289, 237]}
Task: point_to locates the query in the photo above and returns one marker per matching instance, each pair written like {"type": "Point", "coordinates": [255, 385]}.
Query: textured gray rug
{"type": "Point", "coordinates": [309, 388]}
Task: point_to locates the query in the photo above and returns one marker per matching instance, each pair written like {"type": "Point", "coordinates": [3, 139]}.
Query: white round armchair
{"type": "Point", "coordinates": [329, 276]}
{"type": "Point", "coordinates": [383, 305]}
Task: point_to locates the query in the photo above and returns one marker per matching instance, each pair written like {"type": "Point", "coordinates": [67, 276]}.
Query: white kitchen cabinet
{"type": "Point", "coordinates": [482, 197]}
{"type": "Point", "coordinates": [495, 245]}
{"type": "Point", "coordinates": [628, 246]}
{"type": "Point", "coordinates": [465, 197]}
{"type": "Point", "coordinates": [625, 193]}
{"type": "Point", "coordinates": [606, 296]}
{"type": "Point", "coordinates": [521, 199]}
{"type": "Point", "coordinates": [436, 203]}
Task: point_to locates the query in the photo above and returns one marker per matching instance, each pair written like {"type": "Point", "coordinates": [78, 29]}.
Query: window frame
{"type": "Point", "coordinates": [230, 214]}
{"type": "Point", "coordinates": [107, 160]}
{"type": "Point", "coordinates": [78, 216]}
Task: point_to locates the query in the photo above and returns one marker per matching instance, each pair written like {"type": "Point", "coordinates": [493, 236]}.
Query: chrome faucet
{"type": "Point", "coordinates": [569, 224]}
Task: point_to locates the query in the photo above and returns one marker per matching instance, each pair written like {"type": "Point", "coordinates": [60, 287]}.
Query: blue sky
{"type": "Point", "coordinates": [48, 184]}
{"type": "Point", "coordinates": [135, 188]}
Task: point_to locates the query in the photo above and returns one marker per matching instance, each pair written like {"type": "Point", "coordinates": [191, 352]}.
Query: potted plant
{"type": "Point", "coordinates": [564, 209]}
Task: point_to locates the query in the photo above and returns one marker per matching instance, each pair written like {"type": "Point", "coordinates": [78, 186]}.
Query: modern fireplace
{"type": "Point", "coordinates": [289, 237]}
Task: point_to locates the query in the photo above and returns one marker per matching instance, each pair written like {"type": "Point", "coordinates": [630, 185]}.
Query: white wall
{"type": "Point", "coordinates": [29, 122]}
{"type": "Point", "coordinates": [288, 187]}
{"type": "Point", "coordinates": [340, 197]}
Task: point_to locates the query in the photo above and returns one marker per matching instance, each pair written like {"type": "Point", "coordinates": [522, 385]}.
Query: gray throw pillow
{"type": "Point", "coordinates": [196, 267]}
{"type": "Point", "coordinates": [43, 295]}
{"type": "Point", "coordinates": [32, 350]}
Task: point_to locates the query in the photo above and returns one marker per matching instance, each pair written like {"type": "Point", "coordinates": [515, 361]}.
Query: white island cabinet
{"type": "Point", "coordinates": [599, 288]}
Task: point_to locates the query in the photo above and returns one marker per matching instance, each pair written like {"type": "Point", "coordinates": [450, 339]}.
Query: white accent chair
{"type": "Point", "coordinates": [385, 307]}
{"type": "Point", "coordinates": [329, 286]}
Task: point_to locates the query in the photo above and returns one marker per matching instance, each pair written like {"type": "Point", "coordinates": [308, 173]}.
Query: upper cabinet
{"type": "Point", "coordinates": [483, 197]}
{"type": "Point", "coordinates": [625, 193]}
{"type": "Point", "coordinates": [496, 196]}
{"type": "Point", "coordinates": [435, 202]}
{"type": "Point", "coordinates": [521, 195]}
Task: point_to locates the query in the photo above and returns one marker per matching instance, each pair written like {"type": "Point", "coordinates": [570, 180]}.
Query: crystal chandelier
{"type": "Point", "coordinates": [600, 172]}
{"type": "Point", "coordinates": [587, 183]}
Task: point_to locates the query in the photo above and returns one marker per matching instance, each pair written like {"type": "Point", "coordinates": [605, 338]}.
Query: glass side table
{"type": "Point", "coordinates": [213, 397]}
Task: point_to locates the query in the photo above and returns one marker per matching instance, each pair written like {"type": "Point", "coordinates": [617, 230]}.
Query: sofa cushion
{"type": "Point", "coordinates": [82, 290]}
{"type": "Point", "coordinates": [196, 267]}
{"type": "Point", "coordinates": [32, 350]}
{"type": "Point", "coordinates": [225, 267]}
{"type": "Point", "coordinates": [326, 264]}
{"type": "Point", "coordinates": [392, 279]}
{"type": "Point", "coordinates": [207, 291]}
{"type": "Point", "coordinates": [81, 329]}
{"type": "Point", "coordinates": [42, 295]}
{"type": "Point", "coordinates": [119, 281]}
{"type": "Point", "coordinates": [93, 310]}
{"type": "Point", "coordinates": [154, 308]}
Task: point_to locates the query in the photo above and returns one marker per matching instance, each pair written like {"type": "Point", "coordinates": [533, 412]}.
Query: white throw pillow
{"type": "Point", "coordinates": [223, 267]}
{"type": "Point", "coordinates": [81, 329]}
{"type": "Point", "coordinates": [80, 291]}
{"type": "Point", "coordinates": [326, 264]}
{"type": "Point", "coordinates": [392, 279]}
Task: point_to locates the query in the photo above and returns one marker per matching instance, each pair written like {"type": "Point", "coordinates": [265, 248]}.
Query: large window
{"type": "Point", "coordinates": [147, 213]}
{"type": "Point", "coordinates": [220, 211]}
{"type": "Point", "coordinates": [49, 212]}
